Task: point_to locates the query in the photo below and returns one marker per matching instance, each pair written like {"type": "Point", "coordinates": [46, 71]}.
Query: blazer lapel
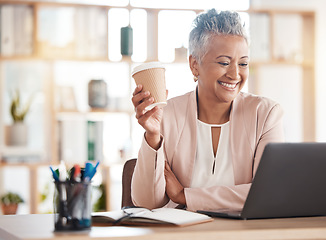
{"type": "Point", "coordinates": [185, 152]}
{"type": "Point", "coordinates": [241, 152]}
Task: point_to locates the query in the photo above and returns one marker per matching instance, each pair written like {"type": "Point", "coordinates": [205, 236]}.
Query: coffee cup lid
{"type": "Point", "coordinates": [147, 65]}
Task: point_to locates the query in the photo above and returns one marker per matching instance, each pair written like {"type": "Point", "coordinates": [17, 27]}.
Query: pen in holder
{"type": "Point", "coordinates": [72, 197]}
{"type": "Point", "coordinates": [72, 205]}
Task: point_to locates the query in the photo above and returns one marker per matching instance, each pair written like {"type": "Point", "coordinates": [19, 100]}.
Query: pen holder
{"type": "Point", "coordinates": [72, 206]}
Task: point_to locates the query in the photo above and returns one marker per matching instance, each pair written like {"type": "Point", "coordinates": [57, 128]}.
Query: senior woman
{"type": "Point", "coordinates": [202, 150]}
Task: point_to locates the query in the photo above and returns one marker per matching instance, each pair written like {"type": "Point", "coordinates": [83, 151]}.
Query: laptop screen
{"type": "Point", "coordinates": [289, 182]}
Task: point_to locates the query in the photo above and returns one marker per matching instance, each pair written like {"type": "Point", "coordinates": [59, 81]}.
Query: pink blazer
{"type": "Point", "coordinates": [254, 122]}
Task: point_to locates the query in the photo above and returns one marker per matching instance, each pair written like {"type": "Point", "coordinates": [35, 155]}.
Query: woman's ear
{"type": "Point", "coordinates": [193, 64]}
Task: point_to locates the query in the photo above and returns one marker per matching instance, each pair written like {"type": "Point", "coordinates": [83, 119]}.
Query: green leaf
{"type": "Point", "coordinates": [18, 112]}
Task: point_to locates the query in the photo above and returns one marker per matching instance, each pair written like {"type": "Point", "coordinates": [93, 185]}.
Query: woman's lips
{"type": "Point", "coordinates": [230, 86]}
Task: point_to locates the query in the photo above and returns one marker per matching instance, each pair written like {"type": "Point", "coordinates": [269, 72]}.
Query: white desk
{"type": "Point", "coordinates": [40, 226]}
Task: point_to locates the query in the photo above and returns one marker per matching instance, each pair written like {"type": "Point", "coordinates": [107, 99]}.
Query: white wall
{"type": "Point", "coordinates": [319, 6]}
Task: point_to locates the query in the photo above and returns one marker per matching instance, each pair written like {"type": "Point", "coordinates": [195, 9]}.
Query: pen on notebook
{"type": "Point", "coordinates": [129, 214]}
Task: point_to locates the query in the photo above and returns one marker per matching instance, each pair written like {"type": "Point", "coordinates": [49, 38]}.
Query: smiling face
{"type": "Point", "coordinates": [223, 70]}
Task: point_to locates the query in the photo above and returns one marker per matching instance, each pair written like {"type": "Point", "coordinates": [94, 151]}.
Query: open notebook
{"type": "Point", "coordinates": [143, 216]}
{"type": "Point", "coordinates": [290, 182]}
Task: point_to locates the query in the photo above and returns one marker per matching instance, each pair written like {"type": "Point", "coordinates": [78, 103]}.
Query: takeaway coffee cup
{"type": "Point", "coordinates": [152, 76]}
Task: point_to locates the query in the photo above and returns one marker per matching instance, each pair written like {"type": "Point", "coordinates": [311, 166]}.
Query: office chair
{"type": "Point", "coordinates": [128, 170]}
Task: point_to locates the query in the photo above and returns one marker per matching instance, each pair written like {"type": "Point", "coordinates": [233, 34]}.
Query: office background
{"type": "Point", "coordinates": [51, 50]}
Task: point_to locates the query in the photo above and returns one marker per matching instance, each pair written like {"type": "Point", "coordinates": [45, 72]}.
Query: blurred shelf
{"type": "Point", "coordinates": [98, 114]}
{"type": "Point", "coordinates": [20, 150]}
{"type": "Point", "coordinates": [20, 164]}
{"type": "Point", "coordinates": [21, 155]}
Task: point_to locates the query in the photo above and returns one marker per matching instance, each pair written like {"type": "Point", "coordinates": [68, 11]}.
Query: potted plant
{"type": "Point", "coordinates": [17, 132]}
{"type": "Point", "coordinates": [9, 203]}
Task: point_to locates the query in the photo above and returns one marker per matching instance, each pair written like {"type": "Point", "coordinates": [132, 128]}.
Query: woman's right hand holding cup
{"type": "Point", "coordinates": [150, 120]}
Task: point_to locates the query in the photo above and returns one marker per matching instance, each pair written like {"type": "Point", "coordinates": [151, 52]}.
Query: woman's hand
{"type": "Point", "coordinates": [174, 189]}
{"type": "Point", "coordinates": [149, 120]}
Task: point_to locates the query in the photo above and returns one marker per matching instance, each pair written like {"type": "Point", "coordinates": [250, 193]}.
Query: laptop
{"type": "Point", "coordinates": [290, 182]}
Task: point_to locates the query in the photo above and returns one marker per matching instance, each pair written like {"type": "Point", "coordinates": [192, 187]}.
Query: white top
{"type": "Point", "coordinates": [210, 170]}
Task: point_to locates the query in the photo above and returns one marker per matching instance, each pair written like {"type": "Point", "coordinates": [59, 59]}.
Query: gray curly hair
{"type": "Point", "coordinates": [213, 23]}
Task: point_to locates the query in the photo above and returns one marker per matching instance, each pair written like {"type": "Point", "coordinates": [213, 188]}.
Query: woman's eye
{"type": "Point", "coordinates": [243, 64]}
{"type": "Point", "coordinates": [224, 63]}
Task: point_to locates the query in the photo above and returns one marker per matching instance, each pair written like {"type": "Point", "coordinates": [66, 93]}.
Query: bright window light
{"type": "Point", "coordinates": [174, 28]}
{"type": "Point", "coordinates": [56, 26]}
{"type": "Point", "coordinates": [193, 4]}
{"type": "Point", "coordinates": [138, 20]}
{"type": "Point", "coordinates": [120, 3]}
{"type": "Point", "coordinates": [179, 79]}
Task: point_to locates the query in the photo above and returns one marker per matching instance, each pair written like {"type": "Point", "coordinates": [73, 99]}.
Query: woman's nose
{"type": "Point", "coordinates": [233, 72]}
